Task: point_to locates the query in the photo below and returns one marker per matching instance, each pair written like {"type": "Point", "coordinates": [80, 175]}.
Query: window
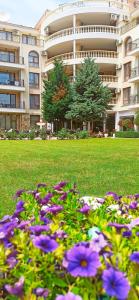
{"type": "Point", "coordinates": [7, 78]}
{"type": "Point", "coordinates": [128, 45]}
{"type": "Point", "coordinates": [7, 56]}
{"type": "Point", "coordinates": [6, 35]}
{"type": "Point", "coordinates": [30, 40]}
{"type": "Point", "coordinates": [8, 121]}
{"type": "Point", "coordinates": [34, 119]}
{"type": "Point", "coordinates": [35, 101]}
{"type": "Point", "coordinates": [33, 59]}
{"type": "Point", "coordinates": [34, 80]}
{"type": "Point", "coordinates": [8, 100]}
{"type": "Point", "coordinates": [126, 96]}
{"type": "Point", "coordinates": [127, 71]}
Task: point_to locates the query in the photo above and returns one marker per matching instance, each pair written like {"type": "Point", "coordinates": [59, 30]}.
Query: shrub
{"type": "Point", "coordinates": [136, 120]}
{"type": "Point", "coordinates": [55, 244]}
{"type": "Point", "coordinates": [127, 134]}
{"type": "Point", "coordinates": [63, 134]}
{"type": "Point", "coordinates": [43, 133]}
{"type": "Point", "coordinates": [32, 134]}
{"type": "Point", "coordinates": [22, 135]}
{"type": "Point", "coordinates": [11, 135]}
{"type": "Point", "coordinates": [83, 134]}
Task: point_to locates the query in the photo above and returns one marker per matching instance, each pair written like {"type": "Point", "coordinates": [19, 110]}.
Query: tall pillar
{"type": "Point", "coordinates": [74, 46]}
{"type": "Point", "coordinates": [117, 119]}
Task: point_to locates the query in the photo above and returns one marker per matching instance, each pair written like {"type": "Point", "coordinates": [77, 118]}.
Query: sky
{"type": "Point", "coordinates": [26, 12]}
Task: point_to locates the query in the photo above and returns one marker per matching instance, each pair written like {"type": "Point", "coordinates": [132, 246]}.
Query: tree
{"type": "Point", "coordinates": [136, 120]}
{"type": "Point", "coordinates": [90, 97]}
{"type": "Point", "coordinates": [56, 95]}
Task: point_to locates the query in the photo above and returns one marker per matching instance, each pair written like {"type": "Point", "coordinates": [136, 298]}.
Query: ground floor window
{"type": "Point", "coordinates": [8, 121]}
{"type": "Point", "coordinates": [8, 100]}
{"type": "Point", "coordinates": [34, 119]}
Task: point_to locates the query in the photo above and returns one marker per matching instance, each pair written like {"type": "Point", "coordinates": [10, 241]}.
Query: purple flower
{"type": "Point", "coordinates": [85, 209]}
{"type": "Point", "coordinates": [55, 209]}
{"type": "Point", "coordinates": [46, 199]}
{"type": "Point", "coordinates": [115, 284]}
{"type": "Point", "coordinates": [134, 223]}
{"type": "Point", "coordinates": [68, 296]}
{"type": "Point", "coordinates": [19, 193]}
{"type": "Point", "coordinates": [98, 243]}
{"type": "Point", "coordinates": [133, 205]}
{"type": "Point", "coordinates": [60, 234]}
{"type": "Point", "coordinates": [19, 209]}
{"type": "Point", "coordinates": [45, 243]}
{"type": "Point", "coordinates": [23, 225]}
{"type": "Point", "coordinates": [82, 261]}
{"type": "Point", "coordinates": [7, 229]}
{"type": "Point", "coordinates": [41, 185]}
{"type": "Point", "coordinates": [118, 227]}
{"type": "Point", "coordinates": [114, 195]}
{"type": "Point", "coordinates": [41, 292]}
{"type": "Point", "coordinates": [38, 229]}
{"type": "Point", "coordinates": [5, 219]}
{"type": "Point", "coordinates": [63, 197]}
{"type": "Point", "coordinates": [137, 233]}
{"type": "Point", "coordinates": [60, 185]}
{"type": "Point", "coordinates": [135, 257]}
{"type": "Point", "coordinates": [11, 261]}
{"type": "Point", "coordinates": [127, 234]}
{"type": "Point", "coordinates": [136, 196]}
{"type": "Point", "coordinates": [16, 289]}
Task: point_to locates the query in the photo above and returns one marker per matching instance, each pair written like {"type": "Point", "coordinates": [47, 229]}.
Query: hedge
{"type": "Point", "coordinates": [127, 134]}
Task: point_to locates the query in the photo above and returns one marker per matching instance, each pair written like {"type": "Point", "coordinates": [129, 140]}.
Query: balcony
{"type": "Point", "coordinates": [9, 38]}
{"type": "Point", "coordinates": [135, 9]}
{"type": "Point", "coordinates": [17, 63]}
{"type": "Point", "coordinates": [131, 101]}
{"type": "Point", "coordinates": [12, 108]}
{"type": "Point", "coordinates": [82, 32]}
{"type": "Point", "coordinates": [100, 56]}
{"type": "Point", "coordinates": [134, 77]}
{"type": "Point", "coordinates": [113, 102]}
{"type": "Point", "coordinates": [109, 80]}
{"type": "Point", "coordinates": [133, 48]}
{"type": "Point", "coordinates": [14, 85]}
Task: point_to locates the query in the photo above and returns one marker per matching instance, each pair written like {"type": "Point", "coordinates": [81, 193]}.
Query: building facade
{"type": "Point", "coordinates": [106, 31]}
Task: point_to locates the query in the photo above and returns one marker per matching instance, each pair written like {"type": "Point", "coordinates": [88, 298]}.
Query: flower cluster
{"type": "Point", "coordinates": [58, 246]}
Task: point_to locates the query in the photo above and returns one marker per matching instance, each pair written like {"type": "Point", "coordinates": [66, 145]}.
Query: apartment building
{"type": "Point", "coordinates": [106, 31]}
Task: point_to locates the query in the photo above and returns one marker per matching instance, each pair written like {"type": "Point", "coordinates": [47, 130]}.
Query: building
{"type": "Point", "coordinates": [107, 31]}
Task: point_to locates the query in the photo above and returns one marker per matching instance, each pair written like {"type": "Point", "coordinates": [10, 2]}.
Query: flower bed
{"type": "Point", "coordinates": [57, 245]}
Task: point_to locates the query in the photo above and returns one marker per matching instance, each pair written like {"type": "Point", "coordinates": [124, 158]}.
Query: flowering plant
{"type": "Point", "coordinates": [58, 246]}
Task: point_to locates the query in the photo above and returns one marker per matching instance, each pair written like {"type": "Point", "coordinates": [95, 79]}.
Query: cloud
{"type": "Point", "coordinates": [4, 17]}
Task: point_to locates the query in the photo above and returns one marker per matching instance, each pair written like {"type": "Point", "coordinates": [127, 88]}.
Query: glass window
{"type": "Point", "coordinates": [6, 35]}
{"type": "Point", "coordinates": [127, 71]}
{"type": "Point", "coordinates": [34, 80]}
{"type": "Point", "coordinates": [34, 119]}
{"type": "Point", "coordinates": [33, 59]}
{"type": "Point", "coordinates": [7, 56]}
{"type": "Point", "coordinates": [30, 40]}
{"type": "Point", "coordinates": [35, 101]}
{"type": "Point", "coordinates": [126, 95]}
{"type": "Point", "coordinates": [8, 121]}
{"type": "Point", "coordinates": [8, 100]}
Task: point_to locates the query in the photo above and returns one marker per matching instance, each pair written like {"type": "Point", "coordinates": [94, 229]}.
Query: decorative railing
{"type": "Point", "coordinates": [16, 60]}
{"type": "Point", "coordinates": [17, 83]}
{"type": "Point", "coordinates": [134, 72]}
{"type": "Point", "coordinates": [9, 36]}
{"type": "Point", "coordinates": [83, 29]}
{"type": "Point", "coordinates": [133, 45]}
{"type": "Point", "coordinates": [20, 105]}
{"type": "Point", "coordinates": [129, 26]}
{"type": "Point", "coordinates": [109, 78]}
{"type": "Point", "coordinates": [84, 54]}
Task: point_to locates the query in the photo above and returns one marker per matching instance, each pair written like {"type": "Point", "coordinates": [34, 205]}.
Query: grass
{"type": "Point", "coordinates": [96, 165]}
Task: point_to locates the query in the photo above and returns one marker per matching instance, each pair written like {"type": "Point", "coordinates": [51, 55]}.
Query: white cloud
{"type": "Point", "coordinates": [4, 17]}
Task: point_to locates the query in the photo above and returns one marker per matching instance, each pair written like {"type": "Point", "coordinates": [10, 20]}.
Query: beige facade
{"type": "Point", "coordinates": [107, 31]}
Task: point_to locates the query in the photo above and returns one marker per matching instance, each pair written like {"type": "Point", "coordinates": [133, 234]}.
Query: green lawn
{"type": "Point", "coordinates": [97, 165]}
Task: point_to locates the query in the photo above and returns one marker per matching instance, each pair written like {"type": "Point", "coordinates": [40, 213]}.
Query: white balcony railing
{"type": "Point", "coordinates": [82, 30]}
{"type": "Point", "coordinates": [84, 54]}
{"type": "Point", "coordinates": [109, 78]}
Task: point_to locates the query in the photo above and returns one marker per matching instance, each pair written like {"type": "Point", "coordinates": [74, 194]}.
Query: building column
{"type": "Point", "coordinates": [104, 124]}
{"type": "Point", "coordinates": [117, 119]}
{"type": "Point", "coordinates": [74, 47]}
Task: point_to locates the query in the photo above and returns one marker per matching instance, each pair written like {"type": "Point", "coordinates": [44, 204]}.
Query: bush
{"type": "Point", "coordinates": [136, 120]}
{"type": "Point", "coordinates": [127, 134]}
{"type": "Point", "coordinates": [43, 133]}
{"type": "Point", "coordinates": [83, 134]}
{"type": "Point", "coordinates": [11, 135]}
{"type": "Point", "coordinates": [55, 242]}
{"type": "Point", "coordinates": [32, 134]}
{"type": "Point", "coordinates": [63, 134]}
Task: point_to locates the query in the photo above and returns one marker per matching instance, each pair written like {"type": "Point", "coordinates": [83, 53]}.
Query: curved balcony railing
{"type": "Point", "coordinates": [84, 54]}
{"type": "Point", "coordinates": [82, 30]}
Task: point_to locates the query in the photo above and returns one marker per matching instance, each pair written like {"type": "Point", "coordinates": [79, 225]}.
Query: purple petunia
{"type": "Point", "coordinates": [16, 289]}
{"type": "Point", "coordinates": [41, 292]}
{"type": "Point", "coordinates": [97, 244]}
{"type": "Point", "coordinates": [19, 209]}
{"type": "Point", "coordinates": [45, 243]}
{"type": "Point", "coordinates": [19, 193]}
{"type": "Point", "coordinates": [38, 229]}
{"type": "Point", "coordinates": [41, 185]}
{"type": "Point", "coordinates": [68, 296]}
{"type": "Point", "coordinates": [115, 283]}
{"type": "Point", "coordinates": [114, 195]}
{"type": "Point", "coordinates": [46, 199]}
{"type": "Point", "coordinates": [55, 209]}
{"type": "Point", "coordinates": [135, 257]}
{"type": "Point", "coordinates": [85, 209]}
{"type": "Point", "coordinates": [133, 205]}
{"type": "Point", "coordinates": [60, 185]}
{"type": "Point", "coordinates": [127, 234]}
{"type": "Point", "coordinates": [11, 261]}
{"type": "Point", "coordinates": [117, 226]}
{"type": "Point", "coordinates": [82, 261]}
{"type": "Point", "coordinates": [63, 197]}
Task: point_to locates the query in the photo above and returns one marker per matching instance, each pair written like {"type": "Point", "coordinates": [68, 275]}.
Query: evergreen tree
{"type": "Point", "coordinates": [90, 97]}
{"type": "Point", "coordinates": [56, 95]}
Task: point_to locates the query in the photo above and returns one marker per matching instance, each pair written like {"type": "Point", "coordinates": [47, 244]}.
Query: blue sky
{"type": "Point", "coordinates": [27, 12]}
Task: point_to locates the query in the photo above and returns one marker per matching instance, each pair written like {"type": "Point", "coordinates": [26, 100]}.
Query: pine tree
{"type": "Point", "coordinates": [90, 97]}
{"type": "Point", "coordinates": [56, 95]}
